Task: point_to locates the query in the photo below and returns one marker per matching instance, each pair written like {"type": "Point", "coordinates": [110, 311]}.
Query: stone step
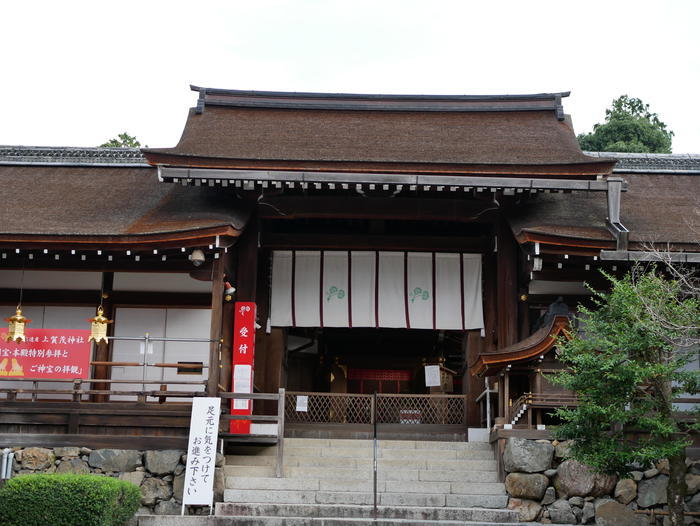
{"type": "Point", "coordinates": [245, 520]}
{"type": "Point", "coordinates": [250, 450]}
{"type": "Point", "coordinates": [363, 474]}
{"type": "Point", "coordinates": [365, 463]}
{"type": "Point", "coordinates": [242, 520]}
{"type": "Point", "coordinates": [385, 444]}
{"type": "Point", "coordinates": [389, 486]}
{"type": "Point", "coordinates": [249, 471]}
{"type": "Point", "coordinates": [312, 451]}
{"type": "Point", "coordinates": [363, 498]}
{"type": "Point", "coordinates": [365, 512]}
{"type": "Point", "coordinates": [397, 454]}
{"type": "Point", "coordinates": [252, 460]}
{"type": "Point", "coordinates": [391, 474]}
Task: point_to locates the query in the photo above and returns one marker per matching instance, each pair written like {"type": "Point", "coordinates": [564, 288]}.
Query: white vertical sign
{"type": "Point", "coordinates": [201, 452]}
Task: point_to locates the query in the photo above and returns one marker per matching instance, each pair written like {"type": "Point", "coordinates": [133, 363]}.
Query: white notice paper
{"type": "Point", "coordinates": [432, 376]}
{"type": "Point", "coordinates": [302, 403]}
{"type": "Point", "coordinates": [242, 383]}
{"type": "Point", "coordinates": [201, 452]}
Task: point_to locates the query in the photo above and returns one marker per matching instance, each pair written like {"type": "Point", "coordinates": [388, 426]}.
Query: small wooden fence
{"type": "Point", "coordinates": [342, 408]}
{"type": "Point", "coordinates": [276, 438]}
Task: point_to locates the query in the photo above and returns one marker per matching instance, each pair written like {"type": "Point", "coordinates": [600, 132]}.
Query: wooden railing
{"type": "Point", "coordinates": [348, 408]}
{"type": "Point", "coordinates": [79, 388]}
{"type": "Point", "coordinates": [227, 418]}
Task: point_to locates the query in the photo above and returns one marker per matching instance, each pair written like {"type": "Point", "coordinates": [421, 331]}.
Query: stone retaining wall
{"type": "Point", "coordinates": [544, 486]}
{"type": "Point", "coordinates": [159, 474]}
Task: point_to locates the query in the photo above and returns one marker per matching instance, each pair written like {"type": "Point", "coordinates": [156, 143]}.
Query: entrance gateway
{"type": "Point", "coordinates": [365, 322]}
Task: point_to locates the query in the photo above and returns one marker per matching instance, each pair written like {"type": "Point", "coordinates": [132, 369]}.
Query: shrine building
{"type": "Point", "coordinates": [406, 262]}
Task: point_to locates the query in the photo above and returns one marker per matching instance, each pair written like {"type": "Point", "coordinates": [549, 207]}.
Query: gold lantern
{"type": "Point", "coordinates": [15, 331]}
{"type": "Point", "coordinates": [98, 327]}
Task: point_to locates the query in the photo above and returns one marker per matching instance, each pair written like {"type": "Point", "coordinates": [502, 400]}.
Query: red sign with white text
{"type": "Point", "coordinates": [243, 359]}
{"type": "Point", "coordinates": [63, 354]}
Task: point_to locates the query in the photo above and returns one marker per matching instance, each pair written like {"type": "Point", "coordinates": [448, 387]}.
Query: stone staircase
{"type": "Point", "coordinates": [329, 482]}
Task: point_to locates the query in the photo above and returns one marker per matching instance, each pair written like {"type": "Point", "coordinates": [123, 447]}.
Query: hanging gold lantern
{"type": "Point", "coordinates": [15, 331]}
{"type": "Point", "coordinates": [98, 327]}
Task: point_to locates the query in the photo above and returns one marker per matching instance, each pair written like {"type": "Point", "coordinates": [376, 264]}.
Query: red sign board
{"type": "Point", "coordinates": [62, 354]}
{"type": "Point", "coordinates": [243, 359]}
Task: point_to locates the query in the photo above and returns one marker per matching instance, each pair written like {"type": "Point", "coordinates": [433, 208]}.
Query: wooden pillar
{"type": "Point", "coordinates": [507, 286]}
{"type": "Point", "coordinates": [501, 397]}
{"type": "Point", "coordinates": [472, 385]}
{"type": "Point", "coordinates": [227, 314]}
{"type": "Point", "coordinates": [217, 298]}
{"type": "Point", "coordinates": [490, 302]}
{"type": "Point", "coordinates": [506, 398]}
{"type": "Point", "coordinates": [102, 349]}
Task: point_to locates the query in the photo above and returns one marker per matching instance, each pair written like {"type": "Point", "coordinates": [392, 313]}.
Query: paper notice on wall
{"type": "Point", "coordinates": [302, 403]}
{"type": "Point", "coordinates": [242, 383]}
{"type": "Point", "coordinates": [432, 376]}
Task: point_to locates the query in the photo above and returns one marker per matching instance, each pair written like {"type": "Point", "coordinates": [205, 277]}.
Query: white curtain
{"type": "Point", "coordinates": [417, 290]}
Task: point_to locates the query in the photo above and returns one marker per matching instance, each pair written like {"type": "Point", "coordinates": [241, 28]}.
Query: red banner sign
{"type": "Point", "coordinates": [62, 354]}
{"type": "Point", "coordinates": [243, 359]}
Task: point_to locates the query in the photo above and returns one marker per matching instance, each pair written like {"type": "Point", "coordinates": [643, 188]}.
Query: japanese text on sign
{"type": "Point", "coordinates": [243, 359]}
{"type": "Point", "coordinates": [47, 353]}
{"type": "Point", "coordinates": [201, 452]}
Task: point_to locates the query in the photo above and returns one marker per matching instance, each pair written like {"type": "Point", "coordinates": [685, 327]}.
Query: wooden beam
{"type": "Point", "coordinates": [376, 242]}
{"type": "Point", "coordinates": [190, 238]}
{"type": "Point", "coordinates": [411, 209]}
{"type": "Point", "coordinates": [89, 297]}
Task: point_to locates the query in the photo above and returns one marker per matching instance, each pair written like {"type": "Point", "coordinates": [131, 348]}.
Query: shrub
{"type": "Point", "coordinates": [67, 500]}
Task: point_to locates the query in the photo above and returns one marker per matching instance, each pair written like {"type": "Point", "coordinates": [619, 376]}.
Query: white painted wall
{"type": "Point", "coordinates": [160, 322]}
{"type": "Point", "coordinates": [50, 280]}
{"type": "Point", "coordinates": [159, 282]}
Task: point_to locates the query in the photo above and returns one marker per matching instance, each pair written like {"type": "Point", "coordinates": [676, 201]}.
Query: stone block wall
{"type": "Point", "coordinates": [544, 486]}
{"type": "Point", "coordinates": [159, 474]}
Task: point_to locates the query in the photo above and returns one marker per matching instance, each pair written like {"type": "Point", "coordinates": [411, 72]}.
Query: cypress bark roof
{"type": "Point", "coordinates": [661, 205]}
{"type": "Point", "coordinates": [104, 203]}
{"type": "Point", "coordinates": [378, 133]}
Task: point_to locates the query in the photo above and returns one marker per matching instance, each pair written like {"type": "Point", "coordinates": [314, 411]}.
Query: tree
{"type": "Point", "coordinates": [123, 140]}
{"type": "Point", "coordinates": [629, 127]}
{"type": "Point", "coordinates": [626, 364]}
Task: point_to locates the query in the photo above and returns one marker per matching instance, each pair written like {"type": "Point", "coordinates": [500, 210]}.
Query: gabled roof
{"type": "Point", "coordinates": [661, 205]}
{"type": "Point", "coordinates": [104, 197]}
{"type": "Point", "coordinates": [445, 134]}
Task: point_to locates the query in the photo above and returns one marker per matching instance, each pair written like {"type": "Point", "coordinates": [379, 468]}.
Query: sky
{"type": "Point", "coordinates": [78, 73]}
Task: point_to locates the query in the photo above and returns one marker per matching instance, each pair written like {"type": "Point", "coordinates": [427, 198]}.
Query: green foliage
{"type": "Point", "coordinates": [67, 500]}
{"type": "Point", "coordinates": [629, 127]}
{"type": "Point", "coordinates": [123, 140]}
{"type": "Point", "coordinates": [626, 365]}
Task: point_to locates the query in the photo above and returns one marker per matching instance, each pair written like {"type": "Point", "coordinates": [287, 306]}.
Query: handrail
{"type": "Point", "coordinates": [140, 364]}
{"type": "Point", "coordinates": [519, 404]}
